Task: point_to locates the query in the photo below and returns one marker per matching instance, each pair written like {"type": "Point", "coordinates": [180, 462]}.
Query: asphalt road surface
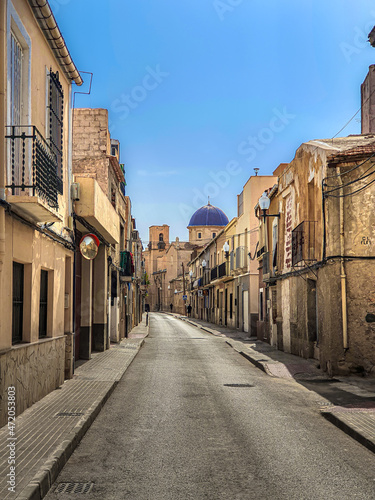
{"type": "Point", "coordinates": [192, 419]}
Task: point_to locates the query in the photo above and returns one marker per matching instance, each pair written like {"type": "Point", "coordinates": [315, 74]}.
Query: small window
{"type": "Point", "coordinates": [214, 235]}
{"type": "Point", "coordinates": [161, 237]}
{"type": "Point", "coordinates": [43, 304]}
{"type": "Point", "coordinates": [17, 320]}
{"type": "Point", "coordinates": [199, 235]}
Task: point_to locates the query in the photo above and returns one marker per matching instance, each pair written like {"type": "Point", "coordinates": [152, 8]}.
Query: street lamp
{"type": "Point", "coordinates": [264, 205]}
{"type": "Point", "coordinates": [204, 263]}
{"type": "Point", "coordinates": [226, 249]}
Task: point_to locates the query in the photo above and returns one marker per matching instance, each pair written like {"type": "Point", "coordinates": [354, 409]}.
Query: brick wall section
{"type": "Point", "coordinates": [90, 144]}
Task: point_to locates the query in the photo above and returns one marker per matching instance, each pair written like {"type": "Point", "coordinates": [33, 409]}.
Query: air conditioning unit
{"type": "Point", "coordinates": [135, 235]}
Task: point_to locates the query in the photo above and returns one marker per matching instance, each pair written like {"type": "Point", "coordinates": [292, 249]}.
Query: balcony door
{"type": "Point", "coordinates": [16, 54]}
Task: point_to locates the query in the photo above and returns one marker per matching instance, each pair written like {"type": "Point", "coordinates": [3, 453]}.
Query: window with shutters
{"type": "Point", "coordinates": [55, 123]}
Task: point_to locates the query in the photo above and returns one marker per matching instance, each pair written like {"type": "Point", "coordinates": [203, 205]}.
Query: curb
{"type": "Point", "coordinates": [41, 483]}
{"type": "Point", "coordinates": [335, 420]}
{"type": "Point", "coordinates": [39, 486]}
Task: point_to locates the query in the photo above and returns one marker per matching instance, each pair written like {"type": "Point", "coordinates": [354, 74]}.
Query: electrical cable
{"type": "Point", "coordinates": [364, 176]}
{"type": "Point", "coordinates": [350, 194]}
{"type": "Point", "coordinates": [351, 170]}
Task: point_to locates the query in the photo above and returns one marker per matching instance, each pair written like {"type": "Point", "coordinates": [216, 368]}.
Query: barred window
{"type": "Point", "coordinates": [55, 107]}
{"type": "Point", "coordinates": [16, 81]}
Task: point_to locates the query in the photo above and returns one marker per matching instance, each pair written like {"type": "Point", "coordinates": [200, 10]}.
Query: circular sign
{"type": "Point", "coordinates": [89, 246]}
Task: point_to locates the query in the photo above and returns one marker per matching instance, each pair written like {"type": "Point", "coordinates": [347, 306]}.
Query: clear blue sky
{"type": "Point", "coordinates": [189, 84]}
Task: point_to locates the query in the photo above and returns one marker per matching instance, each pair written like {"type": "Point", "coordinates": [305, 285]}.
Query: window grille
{"type": "Point", "coordinates": [16, 80]}
{"type": "Point", "coordinates": [16, 99]}
{"type": "Point", "coordinates": [56, 108]}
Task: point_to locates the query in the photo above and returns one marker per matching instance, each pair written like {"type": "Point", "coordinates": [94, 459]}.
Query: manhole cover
{"type": "Point", "coordinates": [69, 414]}
{"type": "Point", "coordinates": [238, 385]}
{"type": "Point", "coordinates": [74, 488]}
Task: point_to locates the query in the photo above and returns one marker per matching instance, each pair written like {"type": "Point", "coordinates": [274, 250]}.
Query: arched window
{"type": "Point", "coordinates": [213, 235]}
{"type": "Point", "coordinates": [199, 235]}
{"type": "Point", "coordinates": [161, 237]}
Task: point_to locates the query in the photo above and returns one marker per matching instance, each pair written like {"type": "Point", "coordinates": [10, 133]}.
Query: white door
{"type": "Point", "coordinates": [245, 309]}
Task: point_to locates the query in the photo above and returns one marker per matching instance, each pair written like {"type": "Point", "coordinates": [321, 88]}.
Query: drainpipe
{"type": "Point", "coordinates": [342, 273]}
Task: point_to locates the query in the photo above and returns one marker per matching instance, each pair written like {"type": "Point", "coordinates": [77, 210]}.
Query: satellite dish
{"type": "Point", "coordinates": [89, 246]}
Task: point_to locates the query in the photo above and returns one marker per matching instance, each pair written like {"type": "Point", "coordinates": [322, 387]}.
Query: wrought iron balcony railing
{"type": "Point", "coordinates": [33, 164]}
{"type": "Point", "coordinates": [222, 270]}
{"type": "Point", "coordinates": [303, 242]}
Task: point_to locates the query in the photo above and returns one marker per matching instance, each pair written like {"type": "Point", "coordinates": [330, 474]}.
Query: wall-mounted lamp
{"type": "Point", "coordinates": [226, 249]}
{"type": "Point", "coordinates": [176, 291]}
{"type": "Point", "coordinates": [264, 205]}
{"type": "Point", "coordinates": [204, 263]}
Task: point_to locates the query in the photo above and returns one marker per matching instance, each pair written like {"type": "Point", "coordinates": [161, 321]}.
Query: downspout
{"type": "Point", "coordinates": [342, 272]}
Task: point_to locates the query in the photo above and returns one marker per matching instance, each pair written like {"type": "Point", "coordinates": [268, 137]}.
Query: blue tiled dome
{"type": "Point", "coordinates": [208, 216]}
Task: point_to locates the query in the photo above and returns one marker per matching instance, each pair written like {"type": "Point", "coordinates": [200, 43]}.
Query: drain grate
{"type": "Point", "coordinates": [69, 414]}
{"type": "Point", "coordinates": [238, 385]}
{"type": "Point", "coordinates": [77, 488]}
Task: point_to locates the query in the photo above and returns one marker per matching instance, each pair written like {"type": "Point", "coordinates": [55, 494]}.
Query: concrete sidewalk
{"type": "Point", "coordinates": [347, 402]}
{"type": "Point", "coordinates": [46, 434]}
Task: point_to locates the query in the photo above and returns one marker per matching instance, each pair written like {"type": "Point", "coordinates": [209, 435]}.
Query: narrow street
{"type": "Point", "coordinates": [192, 419]}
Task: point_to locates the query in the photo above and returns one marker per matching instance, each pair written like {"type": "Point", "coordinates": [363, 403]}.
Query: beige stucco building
{"type": "Point", "coordinates": [107, 287]}
{"type": "Point", "coordinates": [224, 279]}
{"type": "Point", "coordinates": [36, 237]}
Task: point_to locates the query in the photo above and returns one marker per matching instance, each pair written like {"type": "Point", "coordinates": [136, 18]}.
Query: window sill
{"type": "Point", "coordinates": [24, 344]}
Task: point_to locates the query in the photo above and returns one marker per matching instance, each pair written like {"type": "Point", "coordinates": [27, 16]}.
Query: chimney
{"type": "Point", "coordinates": [368, 102]}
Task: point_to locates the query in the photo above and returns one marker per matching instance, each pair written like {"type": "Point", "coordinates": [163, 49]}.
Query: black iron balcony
{"type": "Point", "coordinates": [303, 242]}
{"type": "Point", "coordinates": [222, 270]}
{"type": "Point", "coordinates": [33, 164]}
{"type": "Point", "coordinates": [214, 273]}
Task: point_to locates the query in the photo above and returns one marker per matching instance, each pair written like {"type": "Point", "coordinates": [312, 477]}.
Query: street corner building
{"type": "Point", "coordinates": [317, 254]}
{"type": "Point", "coordinates": [36, 238]}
